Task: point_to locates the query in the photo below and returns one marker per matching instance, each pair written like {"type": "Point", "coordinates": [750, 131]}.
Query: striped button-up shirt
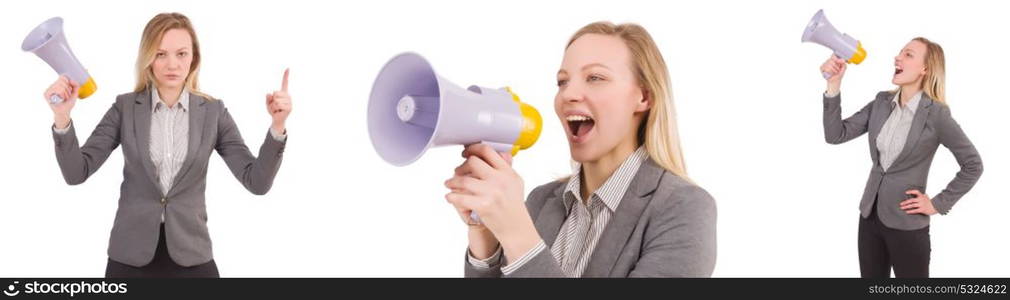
{"type": "Point", "coordinates": [584, 224]}
{"type": "Point", "coordinates": [169, 138]}
{"type": "Point", "coordinates": [894, 133]}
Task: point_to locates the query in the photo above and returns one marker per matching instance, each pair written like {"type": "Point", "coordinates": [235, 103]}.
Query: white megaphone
{"type": "Point", "coordinates": [412, 108]}
{"type": "Point", "coordinates": [48, 42]}
{"type": "Point", "coordinates": [820, 31]}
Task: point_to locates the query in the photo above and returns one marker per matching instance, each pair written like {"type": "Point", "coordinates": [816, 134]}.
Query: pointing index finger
{"type": "Point", "coordinates": [284, 84]}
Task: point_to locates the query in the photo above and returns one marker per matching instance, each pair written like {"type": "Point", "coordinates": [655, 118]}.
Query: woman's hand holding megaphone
{"type": "Point", "coordinates": [486, 183]}
{"type": "Point", "coordinates": [835, 66]}
{"type": "Point", "coordinates": [66, 89]}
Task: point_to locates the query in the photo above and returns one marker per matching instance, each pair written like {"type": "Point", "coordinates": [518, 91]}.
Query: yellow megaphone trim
{"type": "Point", "coordinates": [532, 124]}
{"type": "Point", "coordinates": [859, 55]}
{"type": "Point", "coordinates": [87, 89]}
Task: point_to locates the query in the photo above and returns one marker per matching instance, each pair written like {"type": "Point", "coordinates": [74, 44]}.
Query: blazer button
{"type": "Point", "coordinates": [162, 200]}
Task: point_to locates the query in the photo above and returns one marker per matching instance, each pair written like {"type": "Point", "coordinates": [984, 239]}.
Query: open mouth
{"type": "Point", "coordinates": [897, 70]}
{"type": "Point", "coordinates": [580, 125]}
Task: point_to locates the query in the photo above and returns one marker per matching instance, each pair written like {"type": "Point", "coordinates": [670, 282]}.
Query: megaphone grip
{"type": "Point", "coordinates": [827, 74]}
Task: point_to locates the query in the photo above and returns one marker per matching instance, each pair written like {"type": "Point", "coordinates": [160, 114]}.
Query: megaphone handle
{"type": "Point", "coordinates": [500, 147]}
{"type": "Point", "coordinates": [474, 217]}
{"type": "Point", "coordinates": [55, 99]}
{"type": "Point", "coordinates": [826, 74]}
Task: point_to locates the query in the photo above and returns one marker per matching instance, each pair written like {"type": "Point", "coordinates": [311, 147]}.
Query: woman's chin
{"type": "Point", "coordinates": [170, 84]}
{"type": "Point", "coordinates": [582, 153]}
{"type": "Point", "coordinates": [897, 80]}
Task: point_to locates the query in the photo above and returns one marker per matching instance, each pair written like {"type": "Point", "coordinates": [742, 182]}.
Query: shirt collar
{"type": "Point", "coordinates": [913, 103]}
{"type": "Point", "coordinates": [156, 99]}
{"type": "Point", "coordinates": [613, 190]}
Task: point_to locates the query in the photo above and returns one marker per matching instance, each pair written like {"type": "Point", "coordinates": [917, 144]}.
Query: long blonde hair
{"type": "Point", "coordinates": [933, 81]}
{"type": "Point", "coordinates": [151, 39]}
{"type": "Point", "coordinates": [658, 132]}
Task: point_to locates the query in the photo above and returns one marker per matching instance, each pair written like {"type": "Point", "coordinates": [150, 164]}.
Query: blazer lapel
{"type": "Point", "coordinates": [142, 130]}
{"type": "Point", "coordinates": [552, 215]}
{"type": "Point", "coordinates": [626, 217]}
{"type": "Point", "coordinates": [197, 113]}
{"type": "Point", "coordinates": [877, 121]}
{"type": "Point", "coordinates": [918, 125]}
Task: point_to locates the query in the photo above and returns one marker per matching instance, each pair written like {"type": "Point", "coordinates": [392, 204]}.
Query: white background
{"type": "Point", "coordinates": [747, 91]}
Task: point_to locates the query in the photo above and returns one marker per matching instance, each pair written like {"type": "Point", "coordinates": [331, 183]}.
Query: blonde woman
{"type": "Point", "coordinates": [906, 127]}
{"type": "Point", "coordinates": [168, 129]}
{"type": "Point", "coordinates": [628, 210]}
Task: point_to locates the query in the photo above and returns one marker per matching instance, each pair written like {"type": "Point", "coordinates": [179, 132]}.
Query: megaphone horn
{"type": "Point", "coordinates": [820, 31]}
{"type": "Point", "coordinates": [411, 109]}
{"type": "Point", "coordinates": [48, 42]}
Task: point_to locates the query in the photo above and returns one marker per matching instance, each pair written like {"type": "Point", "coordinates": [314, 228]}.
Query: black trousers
{"type": "Point", "coordinates": [881, 248]}
{"type": "Point", "coordinates": [161, 266]}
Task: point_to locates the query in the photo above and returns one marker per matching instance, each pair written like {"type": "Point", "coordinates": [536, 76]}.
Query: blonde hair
{"type": "Point", "coordinates": [151, 40]}
{"type": "Point", "coordinates": [658, 132]}
{"type": "Point", "coordinates": [933, 81]}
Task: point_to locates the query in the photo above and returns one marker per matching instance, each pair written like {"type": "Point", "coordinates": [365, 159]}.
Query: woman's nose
{"type": "Point", "coordinates": [173, 64]}
{"type": "Point", "coordinates": [571, 93]}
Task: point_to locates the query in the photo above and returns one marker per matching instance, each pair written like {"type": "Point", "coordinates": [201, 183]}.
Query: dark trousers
{"type": "Point", "coordinates": [881, 248]}
{"type": "Point", "coordinates": [161, 266]}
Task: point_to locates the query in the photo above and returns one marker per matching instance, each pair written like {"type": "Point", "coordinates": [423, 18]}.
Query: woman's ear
{"type": "Point", "coordinates": [645, 103]}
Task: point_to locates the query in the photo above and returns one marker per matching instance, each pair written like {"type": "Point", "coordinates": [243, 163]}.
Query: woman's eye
{"type": "Point", "coordinates": [159, 55]}
{"type": "Point", "coordinates": [594, 78]}
{"type": "Point", "coordinates": [562, 82]}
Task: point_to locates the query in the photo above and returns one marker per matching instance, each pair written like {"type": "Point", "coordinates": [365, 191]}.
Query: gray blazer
{"type": "Point", "coordinates": [141, 202]}
{"type": "Point", "coordinates": [931, 126]}
{"type": "Point", "coordinates": [664, 227]}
